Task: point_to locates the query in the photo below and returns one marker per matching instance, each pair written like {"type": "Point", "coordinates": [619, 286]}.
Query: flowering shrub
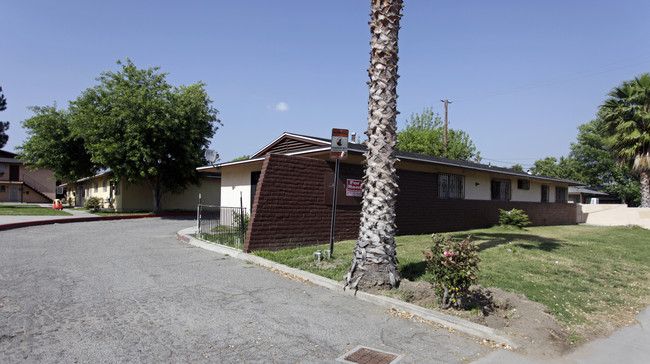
{"type": "Point", "coordinates": [453, 266]}
{"type": "Point", "coordinates": [514, 217]}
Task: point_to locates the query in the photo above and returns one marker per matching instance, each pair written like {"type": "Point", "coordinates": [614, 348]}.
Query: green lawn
{"type": "Point", "coordinates": [587, 276]}
{"type": "Point", "coordinates": [33, 210]}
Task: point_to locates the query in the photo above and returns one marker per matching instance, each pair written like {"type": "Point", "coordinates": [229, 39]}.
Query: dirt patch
{"type": "Point", "coordinates": [535, 331]}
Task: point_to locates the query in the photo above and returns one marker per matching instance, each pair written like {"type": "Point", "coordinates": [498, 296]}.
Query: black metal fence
{"type": "Point", "coordinates": [222, 225]}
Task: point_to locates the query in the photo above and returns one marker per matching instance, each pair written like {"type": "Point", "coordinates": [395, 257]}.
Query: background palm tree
{"type": "Point", "coordinates": [375, 261]}
{"type": "Point", "coordinates": [627, 120]}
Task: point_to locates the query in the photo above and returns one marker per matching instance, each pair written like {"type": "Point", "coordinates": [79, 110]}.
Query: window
{"type": "Point", "coordinates": [2, 189]}
{"type": "Point", "coordinates": [96, 186]}
{"type": "Point", "coordinates": [544, 193]}
{"type": "Point", "coordinates": [560, 194]}
{"type": "Point", "coordinates": [523, 184]}
{"type": "Point", "coordinates": [501, 189]}
{"type": "Point", "coordinates": [451, 186]}
{"type": "Point", "coordinates": [104, 185]}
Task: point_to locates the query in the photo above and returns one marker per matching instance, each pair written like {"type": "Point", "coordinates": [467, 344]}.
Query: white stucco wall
{"type": "Point", "coordinates": [472, 191]}
{"type": "Point", "coordinates": [236, 181]}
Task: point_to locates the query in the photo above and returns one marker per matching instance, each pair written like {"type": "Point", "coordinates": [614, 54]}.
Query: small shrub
{"type": "Point", "coordinates": [93, 204]}
{"type": "Point", "coordinates": [237, 217]}
{"type": "Point", "coordinates": [454, 267]}
{"type": "Point", "coordinates": [514, 217]}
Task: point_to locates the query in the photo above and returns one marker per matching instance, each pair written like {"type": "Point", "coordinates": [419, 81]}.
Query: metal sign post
{"type": "Point", "coordinates": [338, 151]}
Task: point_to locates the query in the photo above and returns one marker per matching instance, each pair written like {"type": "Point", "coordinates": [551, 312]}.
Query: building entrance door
{"type": "Point", "coordinates": [14, 194]}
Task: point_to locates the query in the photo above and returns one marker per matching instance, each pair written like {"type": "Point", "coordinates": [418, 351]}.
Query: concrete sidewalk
{"type": "Point", "coordinates": [630, 345]}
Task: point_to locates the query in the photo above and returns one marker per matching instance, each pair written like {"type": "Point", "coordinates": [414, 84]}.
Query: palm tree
{"type": "Point", "coordinates": [627, 120]}
{"type": "Point", "coordinates": [375, 261]}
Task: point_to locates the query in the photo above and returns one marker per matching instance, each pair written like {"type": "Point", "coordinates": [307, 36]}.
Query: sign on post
{"type": "Point", "coordinates": [353, 188]}
{"type": "Point", "coordinates": [339, 149]}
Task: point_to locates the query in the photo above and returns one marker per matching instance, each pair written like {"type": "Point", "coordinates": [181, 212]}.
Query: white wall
{"type": "Point", "coordinates": [236, 180]}
{"type": "Point", "coordinates": [474, 192]}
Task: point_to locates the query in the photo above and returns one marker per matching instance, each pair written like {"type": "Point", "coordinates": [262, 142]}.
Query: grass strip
{"type": "Point", "coordinates": [587, 276]}
{"type": "Point", "coordinates": [30, 210]}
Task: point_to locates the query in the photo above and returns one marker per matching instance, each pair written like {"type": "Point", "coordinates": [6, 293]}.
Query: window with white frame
{"type": "Point", "coordinates": [451, 186]}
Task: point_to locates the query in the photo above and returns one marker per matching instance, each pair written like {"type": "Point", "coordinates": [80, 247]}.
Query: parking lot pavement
{"type": "Point", "coordinates": [128, 291]}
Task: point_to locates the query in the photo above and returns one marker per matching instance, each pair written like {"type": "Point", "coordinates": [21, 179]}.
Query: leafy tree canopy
{"type": "Point", "coordinates": [517, 167]}
{"type": "Point", "coordinates": [136, 125]}
{"type": "Point", "coordinates": [4, 125]}
{"type": "Point", "coordinates": [51, 145]}
{"type": "Point", "coordinates": [592, 162]}
{"type": "Point", "coordinates": [596, 164]}
{"type": "Point", "coordinates": [243, 157]}
{"type": "Point", "coordinates": [424, 134]}
{"type": "Point", "coordinates": [551, 167]}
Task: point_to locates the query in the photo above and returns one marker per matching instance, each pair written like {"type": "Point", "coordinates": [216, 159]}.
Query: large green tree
{"type": "Point", "coordinates": [375, 258]}
{"type": "Point", "coordinates": [424, 134]}
{"type": "Point", "coordinates": [4, 125]}
{"type": "Point", "coordinates": [626, 114]}
{"type": "Point", "coordinates": [141, 128]}
{"type": "Point", "coordinates": [592, 162]}
{"type": "Point", "coordinates": [595, 164]}
{"type": "Point", "coordinates": [132, 123]}
{"type": "Point", "coordinates": [51, 145]}
{"type": "Point", "coordinates": [552, 167]}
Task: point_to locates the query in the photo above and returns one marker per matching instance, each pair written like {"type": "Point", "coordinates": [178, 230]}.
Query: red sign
{"type": "Point", "coordinates": [339, 149]}
{"type": "Point", "coordinates": [353, 188]}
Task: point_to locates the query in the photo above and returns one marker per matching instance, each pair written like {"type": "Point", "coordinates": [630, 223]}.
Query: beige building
{"type": "Point", "coordinates": [124, 196]}
{"type": "Point", "coordinates": [21, 185]}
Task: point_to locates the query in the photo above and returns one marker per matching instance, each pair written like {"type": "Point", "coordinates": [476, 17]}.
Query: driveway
{"type": "Point", "coordinates": [128, 291]}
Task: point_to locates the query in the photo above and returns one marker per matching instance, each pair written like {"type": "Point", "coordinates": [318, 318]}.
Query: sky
{"type": "Point", "coordinates": [522, 75]}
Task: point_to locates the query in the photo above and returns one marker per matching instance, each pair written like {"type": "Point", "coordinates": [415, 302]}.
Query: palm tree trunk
{"type": "Point", "coordinates": [645, 189]}
{"type": "Point", "coordinates": [375, 261]}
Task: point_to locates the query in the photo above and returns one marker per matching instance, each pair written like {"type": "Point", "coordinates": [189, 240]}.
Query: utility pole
{"type": "Point", "coordinates": [444, 140]}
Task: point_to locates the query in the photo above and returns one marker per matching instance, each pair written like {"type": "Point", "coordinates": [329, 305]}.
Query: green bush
{"type": "Point", "coordinates": [237, 217]}
{"type": "Point", "coordinates": [514, 217]}
{"type": "Point", "coordinates": [453, 266]}
{"type": "Point", "coordinates": [93, 204]}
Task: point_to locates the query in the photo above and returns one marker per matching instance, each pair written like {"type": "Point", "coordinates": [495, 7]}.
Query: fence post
{"type": "Point", "coordinates": [198, 220]}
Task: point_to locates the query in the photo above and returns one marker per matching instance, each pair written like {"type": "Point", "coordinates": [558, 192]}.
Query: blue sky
{"type": "Point", "coordinates": [522, 75]}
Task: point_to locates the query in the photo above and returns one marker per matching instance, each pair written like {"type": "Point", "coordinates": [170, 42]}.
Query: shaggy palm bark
{"type": "Point", "coordinates": [375, 261]}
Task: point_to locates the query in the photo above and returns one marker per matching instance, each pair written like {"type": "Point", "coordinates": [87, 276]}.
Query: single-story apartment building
{"type": "Point", "coordinates": [123, 196]}
{"type": "Point", "coordinates": [288, 186]}
{"type": "Point", "coordinates": [20, 184]}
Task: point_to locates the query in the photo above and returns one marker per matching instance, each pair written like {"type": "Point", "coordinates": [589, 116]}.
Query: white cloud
{"type": "Point", "coordinates": [282, 106]}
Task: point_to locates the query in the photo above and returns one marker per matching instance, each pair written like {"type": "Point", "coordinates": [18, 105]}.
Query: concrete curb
{"type": "Point", "coordinates": [65, 220]}
{"type": "Point", "coordinates": [454, 323]}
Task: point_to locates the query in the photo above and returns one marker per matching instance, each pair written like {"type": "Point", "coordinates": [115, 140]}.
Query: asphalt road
{"type": "Point", "coordinates": [128, 291]}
